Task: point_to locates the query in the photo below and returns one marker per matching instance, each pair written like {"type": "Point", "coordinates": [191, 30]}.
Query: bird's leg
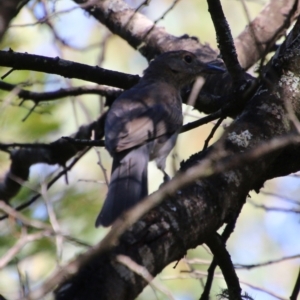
{"type": "Point", "coordinates": [161, 165]}
{"type": "Point", "coordinates": [166, 179]}
{"type": "Point", "coordinates": [166, 176]}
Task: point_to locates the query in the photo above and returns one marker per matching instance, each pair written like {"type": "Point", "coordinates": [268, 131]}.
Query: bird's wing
{"type": "Point", "coordinates": [141, 123]}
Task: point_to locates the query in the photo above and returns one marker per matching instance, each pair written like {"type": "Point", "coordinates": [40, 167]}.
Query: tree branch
{"type": "Point", "coordinates": [61, 93]}
{"type": "Point", "coordinates": [222, 257]}
{"type": "Point", "coordinates": [225, 41]}
{"type": "Point", "coordinates": [66, 68]}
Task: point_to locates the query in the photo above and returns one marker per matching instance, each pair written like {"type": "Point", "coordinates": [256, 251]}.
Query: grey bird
{"type": "Point", "coordinates": [142, 125]}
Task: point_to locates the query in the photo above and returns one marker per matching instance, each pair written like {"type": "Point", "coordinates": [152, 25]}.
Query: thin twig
{"type": "Point", "coordinates": [12, 252]}
{"type": "Point", "coordinates": [100, 164]}
{"type": "Point", "coordinates": [281, 197]}
{"type": "Point", "coordinates": [202, 121]}
{"type": "Point", "coordinates": [53, 221]}
{"type": "Point", "coordinates": [143, 272]}
{"type": "Point", "coordinates": [213, 131]}
{"type": "Point", "coordinates": [25, 221]}
{"type": "Point", "coordinates": [267, 263]}
{"type": "Point", "coordinates": [160, 18]}
{"type": "Point", "coordinates": [275, 209]}
{"type": "Point", "coordinates": [61, 93]}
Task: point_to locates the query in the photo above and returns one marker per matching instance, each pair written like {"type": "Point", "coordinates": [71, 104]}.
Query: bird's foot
{"type": "Point", "coordinates": [166, 177]}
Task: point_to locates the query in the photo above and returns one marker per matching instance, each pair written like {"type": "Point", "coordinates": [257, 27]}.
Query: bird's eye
{"type": "Point", "coordinates": [188, 59]}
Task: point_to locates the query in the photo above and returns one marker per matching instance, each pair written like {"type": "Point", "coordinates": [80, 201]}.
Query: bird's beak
{"type": "Point", "coordinates": [212, 69]}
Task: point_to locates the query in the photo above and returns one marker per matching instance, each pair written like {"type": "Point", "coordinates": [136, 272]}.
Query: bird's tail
{"type": "Point", "coordinates": [128, 184]}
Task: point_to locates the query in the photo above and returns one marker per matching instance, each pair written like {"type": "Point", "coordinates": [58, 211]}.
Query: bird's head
{"type": "Point", "coordinates": [180, 67]}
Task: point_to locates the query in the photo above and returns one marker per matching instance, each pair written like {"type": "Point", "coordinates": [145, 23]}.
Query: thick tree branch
{"type": "Point", "coordinates": [156, 228]}
{"type": "Point", "coordinates": [170, 188]}
{"type": "Point", "coordinates": [140, 32]}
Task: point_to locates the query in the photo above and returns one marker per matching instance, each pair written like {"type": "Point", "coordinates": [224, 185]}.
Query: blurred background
{"type": "Point", "coordinates": [268, 227]}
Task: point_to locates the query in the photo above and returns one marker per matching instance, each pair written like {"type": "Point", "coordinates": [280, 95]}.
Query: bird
{"type": "Point", "coordinates": [142, 125]}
